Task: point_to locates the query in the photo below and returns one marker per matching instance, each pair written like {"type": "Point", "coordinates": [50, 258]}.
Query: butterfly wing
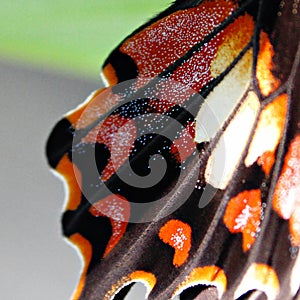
{"type": "Point", "coordinates": [227, 226]}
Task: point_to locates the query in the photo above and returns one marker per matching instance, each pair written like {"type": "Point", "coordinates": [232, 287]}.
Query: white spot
{"type": "Point", "coordinates": [242, 220]}
{"type": "Point", "coordinates": [227, 154]}
{"type": "Point", "coordinates": [178, 239]}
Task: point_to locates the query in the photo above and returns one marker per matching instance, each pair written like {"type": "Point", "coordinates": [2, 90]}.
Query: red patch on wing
{"type": "Point", "coordinates": [184, 146]}
{"type": "Point", "coordinates": [117, 209]}
{"type": "Point", "coordinates": [118, 134]}
{"type": "Point", "coordinates": [178, 235]}
{"type": "Point", "coordinates": [196, 72]}
{"type": "Point", "coordinates": [160, 105]}
{"type": "Point", "coordinates": [161, 44]}
{"type": "Point", "coordinates": [243, 215]}
{"type": "Point", "coordinates": [286, 201]}
{"type": "Point", "coordinates": [158, 46]}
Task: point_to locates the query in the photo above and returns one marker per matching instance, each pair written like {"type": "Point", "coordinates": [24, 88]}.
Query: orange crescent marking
{"type": "Point", "coordinates": [75, 115]}
{"type": "Point", "coordinates": [259, 277]}
{"type": "Point", "coordinates": [208, 275]}
{"type": "Point", "coordinates": [98, 103]}
{"type": "Point", "coordinates": [110, 74]}
{"type": "Point", "coordinates": [243, 215]}
{"type": "Point", "coordinates": [85, 249]}
{"type": "Point", "coordinates": [286, 201]}
{"type": "Point", "coordinates": [147, 278]}
{"type": "Point", "coordinates": [178, 235]}
{"type": "Point", "coordinates": [72, 176]}
{"type": "Point", "coordinates": [117, 209]}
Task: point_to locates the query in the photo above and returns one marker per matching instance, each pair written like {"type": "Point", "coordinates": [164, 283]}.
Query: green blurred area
{"type": "Point", "coordinates": [69, 36]}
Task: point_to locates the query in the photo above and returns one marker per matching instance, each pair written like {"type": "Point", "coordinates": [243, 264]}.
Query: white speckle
{"type": "Point", "coordinates": [242, 219]}
{"type": "Point", "coordinates": [178, 239]}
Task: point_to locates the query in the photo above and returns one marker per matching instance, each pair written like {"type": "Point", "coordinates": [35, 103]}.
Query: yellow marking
{"type": "Point", "coordinates": [269, 129]}
{"type": "Point", "coordinates": [237, 36]}
{"type": "Point", "coordinates": [267, 82]}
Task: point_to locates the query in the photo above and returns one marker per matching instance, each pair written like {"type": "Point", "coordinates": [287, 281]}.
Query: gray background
{"type": "Point", "coordinates": [36, 263]}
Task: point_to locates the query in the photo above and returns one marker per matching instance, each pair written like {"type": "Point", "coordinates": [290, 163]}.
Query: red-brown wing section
{"type": "Point", "coordinates": [236, 234]}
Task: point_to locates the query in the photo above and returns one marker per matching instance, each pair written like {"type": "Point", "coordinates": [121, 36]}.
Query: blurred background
{"type": "Point", "coordinates": [50, 58]}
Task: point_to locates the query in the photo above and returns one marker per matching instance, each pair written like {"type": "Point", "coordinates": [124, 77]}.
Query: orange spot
{"type": "Point", "coordinates": [266, 161]}
{"type": "Point", "coordinates": [268, 133]}
{"type": "Point", "coordinates": [209, 275]}
{"type": "Point", "coordinates": [138, 276]}
{"type": "Point", "coordinates": [259, 277]}
{"type": "Point", "coordinates": [286, 201]}
{"type": "Point", "coordinates": [72, 176]}
{"type": "Point", "coordinates": [85, 249]}
{"type": "Point", "coordinates": [117, 209]}
{"type": "Point", "coordinates": [267, 82]}
{"type": "Point", "coordinates": [110, 74]}
{"type": "Point", "coordinates": [118, 134]}
{"type": "Point", "coordinates": [178, 235]}
{"type": "Point", "coordinates": [243, 215]}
